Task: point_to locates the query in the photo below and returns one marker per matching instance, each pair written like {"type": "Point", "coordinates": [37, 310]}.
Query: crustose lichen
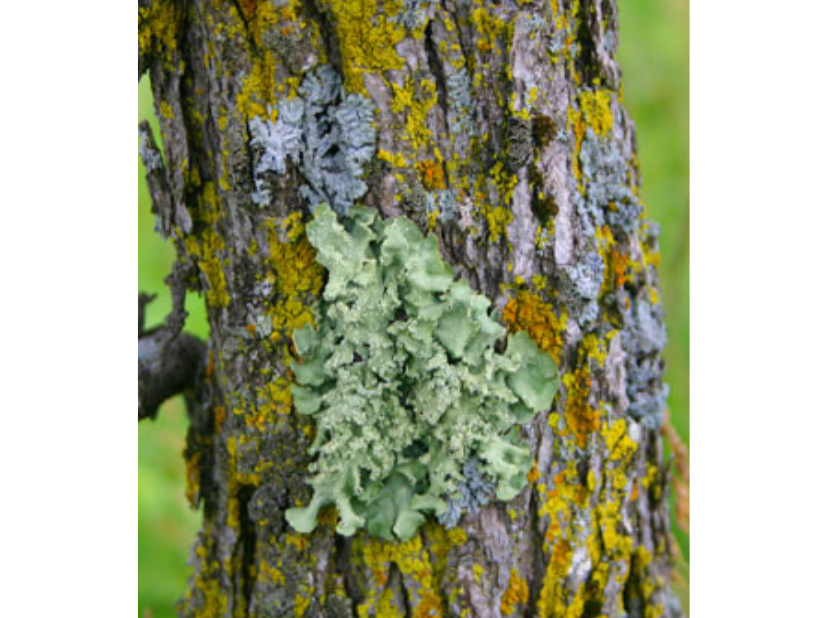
{"type": "Point", "coordinates": [414, 406]}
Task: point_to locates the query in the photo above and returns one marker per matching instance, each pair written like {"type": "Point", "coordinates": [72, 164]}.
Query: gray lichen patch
{"type": "Point", "coordinates": [646, 391]}
{"type": "Point", "coordinates": [149, 153]}
{"type": "Point", "coordinates": [326, 133]}
{"type": "Point", "coordinates": [607, 197]}
{"type": "Point", "coordinates": [580, 286]}
{"type": "Point", "coordinates": [413, 14]}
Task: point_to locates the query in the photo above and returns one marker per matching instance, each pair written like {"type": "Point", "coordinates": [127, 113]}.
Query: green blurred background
{"type": "Point", "coordinates": [654, 55]}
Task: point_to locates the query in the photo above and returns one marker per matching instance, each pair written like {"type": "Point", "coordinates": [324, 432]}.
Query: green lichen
{"type": "Point", "coordinates": [404, 382]}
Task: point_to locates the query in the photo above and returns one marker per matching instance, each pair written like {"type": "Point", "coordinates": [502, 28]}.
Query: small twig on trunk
{"type": "Point", "coordinates": [168, 361]}
{"type": "Point", "coordinates": [681, 483]}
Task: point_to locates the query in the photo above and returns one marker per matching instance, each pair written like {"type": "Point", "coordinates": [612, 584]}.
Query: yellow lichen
{"type": "Point", "coordinates": [596, 109]}
{"type": "Point", "coordinates": [297, 277]}
{"type": "Point", "coordinates": [193, 479]}
{"type": "Point", "coordinates": [386, 607]}
{"type": "Point", "coordinates": [414, 99]}
{"type": "Point", "coordinates": [271, 573]}
{"type": "Point", "coordinates": [206, 251]}
{"type": "Point", "coordinates": [595, 348]}
{"type": "Point", "coordinates": [489, 29]}
{"type": "Point", "coordinates": [367, 40]}
{"type": "Point", "coordinates": [302, 603]}
{"type": "Point", "coordinates": [619, 445]}
{"type": "Point", "coordinates": [165, 110]}
{"type": "Point", "coordinates": [551, 598]}
{"type": "Point", "coordinates": [499, 219]}
{"type": "Point", "coordinates": [273, 399]}
{"type": "Point", "coordinates": [157, 27]}
{"type": "Point", "coordinates": [259, 87]}
{"type": "Point", "coordinates": [413, 560]}
{"type": "Point", "coordinates": [264, 83]}
{"type": "Point", "coordinates": [395, 160]}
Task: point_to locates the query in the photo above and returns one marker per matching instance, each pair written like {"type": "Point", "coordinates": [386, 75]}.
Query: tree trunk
{"type": "Point", "coordinates": [495, 126]}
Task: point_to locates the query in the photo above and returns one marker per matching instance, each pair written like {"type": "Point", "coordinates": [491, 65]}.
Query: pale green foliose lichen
{"type": "Point", "coordinates": [405, 384]}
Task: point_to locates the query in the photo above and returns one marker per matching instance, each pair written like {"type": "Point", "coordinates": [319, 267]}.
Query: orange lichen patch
{"type": "Point", "coordinates": [430, 606]}
{"type": "Point", "coordinates": [580, 416]}
{"type": "Point", "coordinates": [220, 416]}
{"type": "Point", "coordinates": [210, 365]}
{"type": "Point", "coordinates": [528, 312]}
{"type": "Point", "coordinates": [515, 593]}
{"type": "Point", "coordinates": [431, 175]}
{"type": "Point", "coordinates": [533, 475]}
{"type": "Point", "coordinates": [619, 265]}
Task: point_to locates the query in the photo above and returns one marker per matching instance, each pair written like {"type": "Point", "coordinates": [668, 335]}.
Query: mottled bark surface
{"type": "Point", "coordinates": [498, 127]}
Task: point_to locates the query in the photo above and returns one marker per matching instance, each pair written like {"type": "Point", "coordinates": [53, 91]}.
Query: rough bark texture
{"type": "Point", "coordinates": [498, 127]}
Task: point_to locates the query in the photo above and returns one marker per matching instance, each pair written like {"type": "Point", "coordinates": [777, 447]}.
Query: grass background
{"type": "Point", "coordinates": [654, 55]}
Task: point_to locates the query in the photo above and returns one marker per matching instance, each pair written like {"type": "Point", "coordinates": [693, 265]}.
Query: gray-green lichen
{"type": "Point", "coordinates": [476, 490]}
{"type": "Point", "coordinates": [326, 133]}
{"type": "Point", "coordinates": [461, 103]}
{"type": "Point", "coordinates": [415, 409]}
{"type": "Point", "coordinates": [646, 390]}
{"type": "Point", "coordinates": [413, 14]}
{"type": "Point", "coordinates": [608, 198]}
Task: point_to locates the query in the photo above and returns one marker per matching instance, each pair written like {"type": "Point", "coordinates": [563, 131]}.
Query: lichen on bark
{"type": "Point", "coordinates": [498, 128]}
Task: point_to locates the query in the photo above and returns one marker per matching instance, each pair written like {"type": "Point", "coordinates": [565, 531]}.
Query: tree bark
{"type": "Point", "coordinates": [497, 127]}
